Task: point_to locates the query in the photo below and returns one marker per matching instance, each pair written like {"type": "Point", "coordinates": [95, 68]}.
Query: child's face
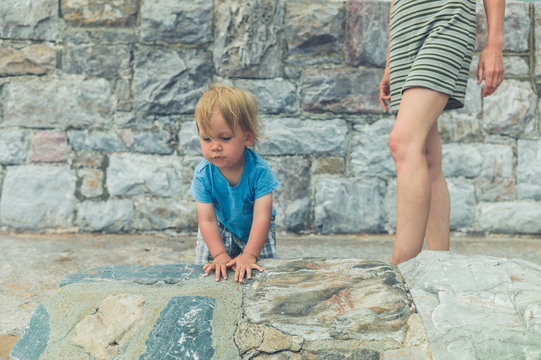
{"type": "Point", "coordinates": [226, 150]}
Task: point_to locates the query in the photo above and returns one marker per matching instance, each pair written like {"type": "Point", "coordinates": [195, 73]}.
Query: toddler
{"type": "Point", "coordinates": [232, 186]}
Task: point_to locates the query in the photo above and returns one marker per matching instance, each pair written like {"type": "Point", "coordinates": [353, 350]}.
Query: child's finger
{"type": "Point", "coordinates": [255, 266]}
{"type": "Point", "coordinates": [231, 262]}
{"type": "Point", "coordinates": [241, 274]}
{"type": "Point", "coordinates": [208, 268]}
{"type": "Point", "coordinates": [224, 271]}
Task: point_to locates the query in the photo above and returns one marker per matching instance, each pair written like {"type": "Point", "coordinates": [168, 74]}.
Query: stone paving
{"type": "Point", "coordinates": [477, 307]}
{"type": "Point", "coordinates": [33, 265]}
{"type": "Point", "coordinates": [296, 309]}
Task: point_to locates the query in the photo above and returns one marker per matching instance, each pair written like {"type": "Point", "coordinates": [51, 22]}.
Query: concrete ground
{"type": "Point", "coordinates": [32, 265]}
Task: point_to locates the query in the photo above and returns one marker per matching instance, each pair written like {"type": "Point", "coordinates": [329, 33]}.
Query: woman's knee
{"type": "Point", "coordinates": [395, 146]}
{"type": "Point", "coordinates": [402, 149]}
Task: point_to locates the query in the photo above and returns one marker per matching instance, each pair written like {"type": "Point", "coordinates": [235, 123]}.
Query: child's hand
{"type": "Point", "coordinates": [219, 264]}
{"type": "Point", "coordinates": [244, 263]}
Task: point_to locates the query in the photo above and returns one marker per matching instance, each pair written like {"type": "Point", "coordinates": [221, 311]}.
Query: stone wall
{"type": "Point", "coordinates": [97, 101]}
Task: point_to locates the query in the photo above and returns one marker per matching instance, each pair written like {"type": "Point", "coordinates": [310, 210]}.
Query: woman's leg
{"type": "Point", "coordinates": [437, 229]}
{"type": "Point", "coordinates": [418, 114]}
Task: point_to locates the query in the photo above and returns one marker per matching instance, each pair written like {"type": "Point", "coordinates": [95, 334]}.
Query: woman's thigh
{"type": "Point", "coordinates": [417, 116]}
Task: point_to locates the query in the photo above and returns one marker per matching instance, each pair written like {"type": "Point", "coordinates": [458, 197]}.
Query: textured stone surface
{"type": "Point", "coordinates": [293, 136]}
{"type": "Point", "coordinates": [116, 320]}
{"type": "Point", "coordinates": [370, 149]}
{"type": "Point", "coordinates": [176, 319]}
{"type": "Point", "coordinates": [47, 201]}
{"type": "Point", "coordinates": [47, 255]}
{"type": "Point", "coordinates": [34, 103]}
{"type": "Point", "coordinates": [91, 182]}
{"type": "Point", "coordinates": [272, 96]}
{"type": "Point", "coordinates": [185, 21]}
{"type": "Point", "coordinates": [107, 142]}
{"type": "Point", "coordinates": [537, 32]}
{"type": "Point", "coordinates": [100, 12]}
{"type": "Point", "coordinates": [255, 339]}
{"type": "Point", "coordinates": [161, 214]}
{"type": "Point", "coordinates": [495, 189]}
{"type": "Point", "coordinates": [113, 215]}
{"type": "Point", "coordinates": [125, 75]}
{"type": "Point", "coordinates": [521, 217]}
{"type": "Point", "coordinates": [477, 307]}
{"type": "Point", "coordinates": [35, 337]}
{"type": "Point", "coordinates": [352, 205]}
{"type": "Point", "coordinates": [49, 146]}
{"type": "Point", "coordinates": [511, 110]}
{"type": "Point", "coordinates": [13, 146]}
{"type": "Point", "coordinates": [462, 194]}
{"type": "Point", "coordinates": [311, 299]}
{"type": "Point", "coordinates": [31, 60]}
{"type": "Point", "coordinates": [314, 29]}
{"type": "Point", "coordinates": [170, 274]}
{"type": "Point", "coordinates": [477, 160]}
{"type": "Point", "coordinates": [292, 198]}
{"type": "Point", "coordinates": [341, 90]}
{"type": "Point", "coordinates": [29, 19]}
{"type": "Point", "coordinates": [368, 32]}
{"type": "Point", "coordinates": [241, 25]}
{"type": "Point", "coordinates": [183, 330]}
{"type": "Point", "coordinates": [169, 81]}
{"type": "Point", "coordinates": [136, 174]}
{"type": "Point", "coordinates": [528, 185]}
{"type": "Point", "coordinates": [97, 60]}
{"type": "Point", "coordinates": [188, 139]}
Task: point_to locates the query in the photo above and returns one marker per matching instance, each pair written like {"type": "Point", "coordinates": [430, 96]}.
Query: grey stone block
{"type": "Point", "coordinates": [146, 275]}
{"type": "Point", "coordinates": [304, 137]}
{"type": "Point", "coordinates": [38, 197]}
{"type": "Point", "coordinates": [35, 337]}
{"type": "Point", "coordinates": [349, 205]}
{"type": "Point", "coordinates": [183, 330]}
{"type": "Point", "coordinates": [173, 21]}
{"type": "Point", "coordinates": [29, 19]}
{"type": "Point", "coordinates": [14, 146]}
{"type": "Point", "coordinates": [341, 90]}
{"type": "Point", "coordinates": [367, 32]}
{"type": "Point", "coordinates": [247, 38]}
{"type": "Point", "coordinates": [33, 103]}
{"type": "Point", "coordinates": [137, 174]}
{"type": "Point", "coordinates": [168, 80]}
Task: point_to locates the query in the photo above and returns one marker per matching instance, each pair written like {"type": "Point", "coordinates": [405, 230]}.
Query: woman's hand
{"type": "Point", "coordinates": [491, 69]}
{"type": "Point", "coordinates": [385, 89]}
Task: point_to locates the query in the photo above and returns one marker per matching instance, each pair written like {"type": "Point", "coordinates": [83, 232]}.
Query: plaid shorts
{"type": "Point", "coordinates": [234, 245]}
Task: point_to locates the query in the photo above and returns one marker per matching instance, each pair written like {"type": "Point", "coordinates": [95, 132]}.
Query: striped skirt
{"type": "Point", "coordinates": [432, 43]}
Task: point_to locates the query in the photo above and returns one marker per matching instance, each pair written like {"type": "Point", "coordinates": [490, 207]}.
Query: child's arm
{"type": "Point", "coordinates": [208, 225]}
{"type": "Point", "coordinates": [246, 262]}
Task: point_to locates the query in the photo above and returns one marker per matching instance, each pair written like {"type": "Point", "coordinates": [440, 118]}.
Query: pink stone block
{"type": "Point", "coordinates": [49, 146]}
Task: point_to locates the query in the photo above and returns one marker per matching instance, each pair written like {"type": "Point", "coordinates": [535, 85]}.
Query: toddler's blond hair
{"type": "Point", "coordinates": [238, 107]}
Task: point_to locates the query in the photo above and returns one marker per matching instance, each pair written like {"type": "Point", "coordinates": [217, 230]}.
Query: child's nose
{"type": "Point", "coordinates": [215, 146]}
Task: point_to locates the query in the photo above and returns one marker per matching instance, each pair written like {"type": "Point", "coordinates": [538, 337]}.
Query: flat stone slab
{"type": "Point", "coordinates": [295, 309]}
{"type": "Point", "coordinates": [477, 307]}
{"type": "Point", "coordinates": [180, 309]}
{"type": "Point", "coordinates": [439, 305]}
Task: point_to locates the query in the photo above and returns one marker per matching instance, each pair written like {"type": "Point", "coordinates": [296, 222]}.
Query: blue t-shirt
{"type": "Point", "coordinates": [234, 206]}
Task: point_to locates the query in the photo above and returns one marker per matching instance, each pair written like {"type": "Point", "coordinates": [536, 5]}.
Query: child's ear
{"type": "Point", "coordinates": [248, 138]}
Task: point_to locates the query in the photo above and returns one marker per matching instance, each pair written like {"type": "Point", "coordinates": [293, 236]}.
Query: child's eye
{"type": "Point", "coordinates": [226, 138]}
{"type": "Point", "coordinates": [205, 139]}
